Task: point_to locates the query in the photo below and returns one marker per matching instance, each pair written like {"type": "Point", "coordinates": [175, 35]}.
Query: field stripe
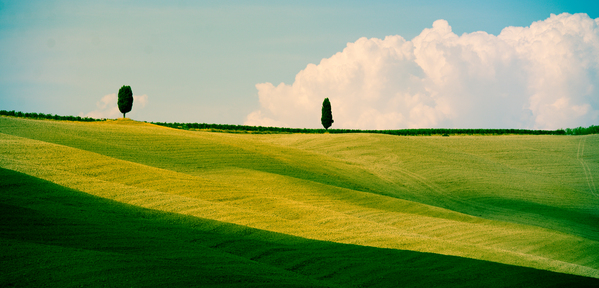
{"type": "Point", "coordinates": [585, 166]}
{"type": "Point", "coordinates": [362, 226]}
{"type": "Point", "coordinates": [89, 241]}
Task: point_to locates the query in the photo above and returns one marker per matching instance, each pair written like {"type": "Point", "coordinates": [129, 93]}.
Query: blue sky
{"type": "Point", "coordinates": [200, 61]}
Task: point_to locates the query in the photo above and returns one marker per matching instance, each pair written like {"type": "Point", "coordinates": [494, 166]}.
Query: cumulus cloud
{"type": "Point", "coordinates": [107, 106]}
{"type": "Point", "coordinates": [140, 101]}
{"type": "Point", "coordinates": [543, 76]}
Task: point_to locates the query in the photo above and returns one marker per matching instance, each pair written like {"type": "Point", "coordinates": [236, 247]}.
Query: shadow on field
{"type": "Point", "coordinates": [571, 221]}
{"type": "Point", "coordinates": [52, 236]}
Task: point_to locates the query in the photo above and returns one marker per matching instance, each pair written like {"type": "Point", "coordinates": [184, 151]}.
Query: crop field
{"type": "Point", "coordinates": [130, 204]}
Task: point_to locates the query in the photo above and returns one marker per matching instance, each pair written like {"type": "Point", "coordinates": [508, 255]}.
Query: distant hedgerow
{"type": "Point", "coordinates": [400, 132]}
{"type": "Point", "coordinates": [47, 116]}
{"type": "Point", "coordinates": [593, 129]}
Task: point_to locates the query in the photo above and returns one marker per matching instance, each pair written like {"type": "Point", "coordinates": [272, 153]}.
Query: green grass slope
{"type": "Point", "coordinates": [53, 236]}
{"type": "Point", "coordinates": [57, 237]}
{"type": "Point", "coordinates": [537, 180]}
{"type": "Point", "coordinates": [528, 201]}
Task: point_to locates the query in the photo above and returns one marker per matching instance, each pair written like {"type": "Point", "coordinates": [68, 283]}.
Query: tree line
{"type": "Point", "coordinates": [399, 132]}
{"type": "Point", "coordinates": [47, 116]}
{"type": "Point", "coordinates": [593, 129]}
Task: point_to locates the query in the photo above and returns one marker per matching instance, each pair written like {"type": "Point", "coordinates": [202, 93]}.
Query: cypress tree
{"type": "Point", "coordinates": [327, 115]}
{"type": "Point", "coordinates": [125, 101]}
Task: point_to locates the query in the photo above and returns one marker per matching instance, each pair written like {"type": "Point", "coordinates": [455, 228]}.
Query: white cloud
{"type": "Point", "coordinates": [107, 107]}
{"type": "Point", "coordinates": [543, 76]}
{"type": "Point", "coordinates": [140, 101]}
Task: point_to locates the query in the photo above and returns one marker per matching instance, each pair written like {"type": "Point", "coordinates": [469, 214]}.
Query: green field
{"type": "Point", "coordinates": [130, 204]}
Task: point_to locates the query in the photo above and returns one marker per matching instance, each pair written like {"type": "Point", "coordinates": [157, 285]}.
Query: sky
{"type": "Point", "coordinates": [382, 64]}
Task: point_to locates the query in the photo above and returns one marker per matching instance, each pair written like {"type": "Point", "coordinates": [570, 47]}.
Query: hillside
{"type": "Point", "coordinates": [294, 209]}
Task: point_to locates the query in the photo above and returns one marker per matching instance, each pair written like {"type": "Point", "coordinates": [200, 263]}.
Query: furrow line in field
{"type": "Point", "coordinates": [585, 166]}
{"type": "Point", "coordinates": [152, 187]}
{"type": "Point", "coordinates": [448, 196]}
{"type": "Point", "coordinates": [367, 235]}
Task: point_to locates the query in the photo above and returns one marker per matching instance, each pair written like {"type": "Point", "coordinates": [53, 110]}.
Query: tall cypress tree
{"type": "Point", "coordinates": [327, 115]}
{"type": "Point", "coordinates": [125, 101]}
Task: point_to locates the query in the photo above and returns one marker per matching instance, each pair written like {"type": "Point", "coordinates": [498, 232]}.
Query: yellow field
{"type": "Point", "coordinates": [528, 201]}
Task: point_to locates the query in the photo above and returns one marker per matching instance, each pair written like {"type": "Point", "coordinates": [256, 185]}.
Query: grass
{"type": "Point", "coordinates": [298, 210]}
{"type": "Point", "coordinates": [55, 236]}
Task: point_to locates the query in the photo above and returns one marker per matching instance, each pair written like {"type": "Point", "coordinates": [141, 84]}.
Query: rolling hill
{"type": "Point", "coordinates": [127, 203]}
